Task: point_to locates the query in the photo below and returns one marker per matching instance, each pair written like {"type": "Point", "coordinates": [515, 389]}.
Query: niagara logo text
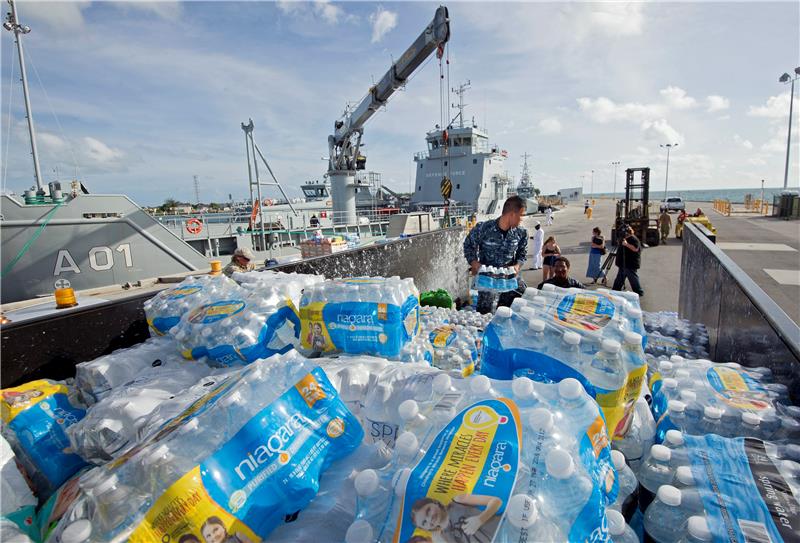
{"type": "Point", "coordinates": [496, 465]}
{"type": "Point", "coordinates": [274, 444]}
{"type": "Point", "coordinates": [355, 319]}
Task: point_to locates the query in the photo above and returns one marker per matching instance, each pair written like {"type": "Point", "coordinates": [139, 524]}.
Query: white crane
{"type": "Point", "coordinates": [345, 143]}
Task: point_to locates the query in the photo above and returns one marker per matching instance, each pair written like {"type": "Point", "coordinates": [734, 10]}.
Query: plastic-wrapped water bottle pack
{"type": "Point", "coordinates": [231, 325]}
{"type": "Point", "coordinates": [482, 460]}
{"type": "Point", "coordinates": [711, 488]}
{"type": "Point", "coordinates": [164, 310]}
{"type": "Point", "coordinates": [113, 424]}
{"type": "Point", "coordinates": [270, 283]}
{"type": "Point", "coordinates": [17, 504]}
{"type": "Point", "coordinates": [668, 334]}
{"type": "Point", "coordinates": [238, 460]}
{"type": "Point", "coordinates": [702, 397]}
{"type": "Point", "coordinates": [496, 279]}
{"type": "Point", "coordinates": [594, 337]}
{"type": "Point", "coordinates": [35, 417]}
{"type": "Point", "coordinates": [363, 315]}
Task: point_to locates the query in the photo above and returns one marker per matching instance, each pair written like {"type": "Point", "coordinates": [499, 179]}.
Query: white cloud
{"type": "Point", "coordinates": [329, 12]}
{"type": "Point", "coordinates": [756, 161]}
{"type": "Point", "coordinates": [98, 152]}
{"type": "Point", "coordinates": [747, 144]}
{"type": "Point", "coordinates": [383, 21]}
{"type": "Point", "coordinates": [288, 7]}
{"type": "Point", "coordinates": [170, 11]}
{"type": "Point", "coordinates": [603, 110]}
{"type": "Point", "coordinates": [60, 16]}
{"type": "Point", "coordinates": [618, 18]}
{"type": "Point", "coordinates": [550, 125]}
{"type": "Point", "coordinates": [50, 142]}
{"type": "Point", "coordinates": [676, 97]}
{"type": "Point", "coordinates": [777, 107]}
{"type": "Point", "coordinates": [661, 132]}
{"type": "Point", "coordinates": [717, 103]}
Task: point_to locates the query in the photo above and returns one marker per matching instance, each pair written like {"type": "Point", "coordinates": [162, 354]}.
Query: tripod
{"type": "Point", "coordinates": [607, 264]}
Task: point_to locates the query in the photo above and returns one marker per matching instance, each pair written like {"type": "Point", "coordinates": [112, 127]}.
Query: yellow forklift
{"type": "Point", "coordinates": [634, 209]}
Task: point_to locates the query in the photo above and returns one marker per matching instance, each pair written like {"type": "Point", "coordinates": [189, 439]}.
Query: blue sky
{"type": "Point", "coordinates": [144, 95]}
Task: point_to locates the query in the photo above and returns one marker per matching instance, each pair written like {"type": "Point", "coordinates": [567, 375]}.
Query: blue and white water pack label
{"type": "Point", "coordinates": [470, 468]}
{"type": "Point", "coordinates": [745, 496]}
{"type": "Point", "coordinates": [269, 469]}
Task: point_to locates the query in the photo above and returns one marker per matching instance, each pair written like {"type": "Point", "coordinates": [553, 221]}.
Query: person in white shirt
{"type": "Point", "coordinates": [538, 240]}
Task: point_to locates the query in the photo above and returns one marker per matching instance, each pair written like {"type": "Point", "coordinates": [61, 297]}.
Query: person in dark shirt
{"type": "Point", "coordinates": [561, 277]}
{"type": "Point", "coordinates": [629, 260]}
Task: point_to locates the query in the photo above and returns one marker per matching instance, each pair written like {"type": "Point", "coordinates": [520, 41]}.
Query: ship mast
{"type": "Point", "coordinates": [525, 177]}
{"type": "Point", "coordinates": [12, 24]}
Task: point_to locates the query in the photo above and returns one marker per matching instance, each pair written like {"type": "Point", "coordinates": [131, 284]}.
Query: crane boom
{"type": "Point", "coordinates": [344, 144]}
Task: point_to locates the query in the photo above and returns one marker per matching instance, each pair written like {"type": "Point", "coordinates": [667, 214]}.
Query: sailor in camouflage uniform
{"type": "Point", "coordinates": [500, 242]}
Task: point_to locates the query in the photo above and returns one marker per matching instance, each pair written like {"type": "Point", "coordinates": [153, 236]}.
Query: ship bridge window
{"type": "Point", "coordinates": [474, 160]}
{"type": "Point", "coordinates": [420, 165]}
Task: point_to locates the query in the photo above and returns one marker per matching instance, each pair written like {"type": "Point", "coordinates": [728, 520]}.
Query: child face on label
{"type": "Point", "coordinates": [214, 533]}
{"type": "Point", "coordinates": [430, 517]}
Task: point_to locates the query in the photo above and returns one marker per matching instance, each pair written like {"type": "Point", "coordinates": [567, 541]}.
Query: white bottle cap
{"type": "Point", "coordinates": [536, 325]}
{"type": "Point", "coordinates": [660, 453]}
{"type": "Point", "coordinates": [540, 419]}
{"type": "Point", "coordinates": [442, 383]}
{"type": "Point", "coordinates": [698, 528]}
{"type": "Point", "coordinates": [618, 460]}
{"type": "Point", "coordinates": [539, 300]}
{"type": "Point", "coordinates": [547, 287]}
{"type": "Point", "coordinates": [712, 412]}
{"type": "Point", "coordinates": [104, 486]}
{"type": "Point", "coordinates": [522, 388]}
{"type": "Point", "coordinates": [610, 346]}
{"type": "Point", "coordinates": [529, 313]}
{"type": "Point", "coordinates": [480, 384]}
{"type": "Point", "coordinates": [570, 389]}
{"type": "Point", "coordinates": [367, 482]}
{"type": "Point", "coordinates": [674, 438]}
{"type": "Point", "coordinates": [359, 532]}
{"type": "Point", "coordinates": [408, 410]}
{"type": "Point", "coordinates": [748, 417]}
{"type": "Point", "coordinates": [676, 406]}
{"type": "Point", "coordinates": [503, 312]}
{"type": "Point", "coordinates": [399, 481]}
{"type": "Point", "coordinates": [521, 511]}
{"type": "Point", "coordinates": [676, 359]}
{"type": "Point", "coordinates": [634, 313]}
{"type": "Point", "coordinates": [669, 382]}
{"type": "Point", "coordinates": [559, 464]}
{"type": "Point", "coordinates": [669, 495]}
{"type": "Point", "coordinates": [688, 395]}
{"type": "Point", "coordinates": [665, 366]}
{"type": "Point", "coordinates": [77, 532]}
{"type": "Point", "coordinates": [616, 522]}
{"type": "Point", "coordinates": [632, 338]}
{"type": "Point", "coordinates": [682, 374]}
{"type": "Point", "coordinates": [572, 338]}
{"type": "Point", "coordinates": [684, 475]}
{"type": "Point", "coordinates": [519, 304]}
{"type": "Point", "coordinates": [406, 444]}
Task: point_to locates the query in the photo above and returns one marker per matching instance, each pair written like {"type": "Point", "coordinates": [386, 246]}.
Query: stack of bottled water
{"type": "Point", "coordinates": [271, 284]}
{"type": "Point", "coordinates": [594, 337]}
{"type": "Point", "coordinates": [488, 460]}
{"type": "Point", "coordinates": [362, 315]}
{"type": "Point", "coordinates": [497, 279]}
{"type": "Point", "coordinates": [165, 309]}
{"type": "Point", "coordinates": [96, 379]}
{"type": "Point", "coordinates": [701, 397]}
{"type": "Point", "coordinates": [242, 457]}
{"type": "Point", "coordinates": [111, 426]}
{"type": "Point", "coordinates": [35, 417]}
{"type": "Point", "coordinates": [710, 488]}
{"type": "Point", "coordinates": [231, 325]}
{"type": "Point", "coordinates": [17, 504]}
{"type": "Point", "coordinates": [668, 335]}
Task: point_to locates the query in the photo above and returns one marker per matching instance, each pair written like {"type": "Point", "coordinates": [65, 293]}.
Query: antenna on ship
{"type": "Point", "coordinates": [196, 190]}
{"type": "Point", "coordinates": [12, 25]}
{"type": "Point", "coordinates": [462, 88]}
{"type": "Point", "coordinates": [524, 179]}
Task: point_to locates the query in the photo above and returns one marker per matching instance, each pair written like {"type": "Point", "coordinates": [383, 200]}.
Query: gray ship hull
{"type": "Point", "coordinates": [87, 242]}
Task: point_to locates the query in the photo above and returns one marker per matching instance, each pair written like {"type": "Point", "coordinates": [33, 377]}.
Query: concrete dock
{"type": "Point", "coordinates": [767, 249]}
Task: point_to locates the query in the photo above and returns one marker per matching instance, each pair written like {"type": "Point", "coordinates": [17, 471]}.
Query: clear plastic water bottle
{"type": "Point", "coordinates": [605, 369]}
{"type": "Point", "coordinates": [655, 472]}
{"type": "Point", "coordinates": [525, 523]}
{"type": "Point", "coordinates": [712, 420]}
{"type": "Point", "coordinates": [571, 350]}
{"type": "Point", "coordinates": [697, 531]}
{"type": "Point", "coordinates": [664, 519]}
{"type": "Point", "coordinates": [628, 496]}
{"type": "Point", "coordinates": [565, 490]}
{"type": "Point", "coordinates": [574, 402]}
{"type": "Point", "coordinates": [618, 529]}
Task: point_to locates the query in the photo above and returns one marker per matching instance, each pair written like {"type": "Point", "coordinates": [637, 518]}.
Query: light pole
{"type": "Point", "coordinates": [614, 193]}
{"type": "Point", "coordinates": [786, 78]}
{"type": "Point", "coordinates": [669, 146]}
{"type": "Point", "coordinates": [591, 187]}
